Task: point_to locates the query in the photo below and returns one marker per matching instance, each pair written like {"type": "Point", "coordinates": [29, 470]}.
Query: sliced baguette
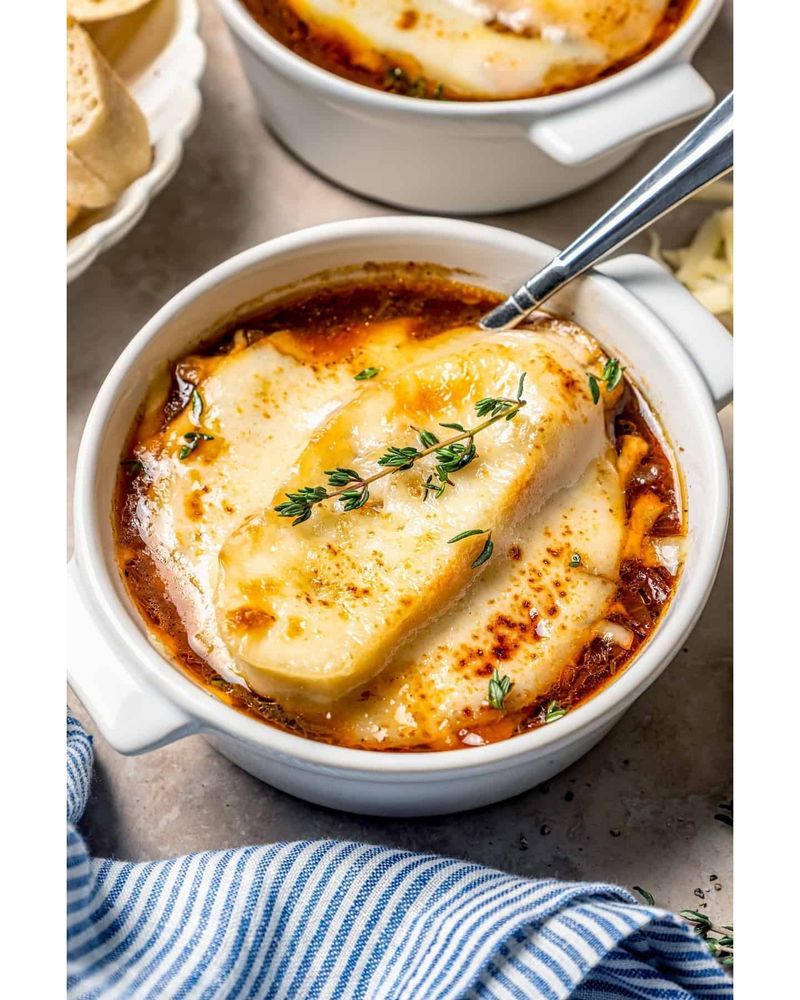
{"type": "Point", "coordinates": [85, 188]}
{"type": "Point", "coordinates": [102, 10]}
{"type": "Point", "coordinates": [108, 145]}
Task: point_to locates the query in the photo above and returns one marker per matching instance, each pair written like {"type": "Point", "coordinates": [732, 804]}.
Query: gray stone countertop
{"type": "Point", "coordinates": [640, 808]}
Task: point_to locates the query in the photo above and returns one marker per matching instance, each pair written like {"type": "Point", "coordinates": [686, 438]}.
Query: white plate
{"type": "Point", "coordinates": [160, 56]}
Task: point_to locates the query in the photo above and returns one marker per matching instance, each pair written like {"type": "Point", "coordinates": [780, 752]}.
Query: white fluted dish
{"type": "Point", "coordinates": [162, 68]}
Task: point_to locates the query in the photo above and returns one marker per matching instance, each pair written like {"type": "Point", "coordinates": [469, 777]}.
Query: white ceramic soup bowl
{"type": "Point", "coordinates": [675, 350]}
{"type": "Point", "coordinates": [469, 157]}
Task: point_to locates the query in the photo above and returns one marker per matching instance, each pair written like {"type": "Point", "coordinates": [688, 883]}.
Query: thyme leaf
{"type": "Point", "coordinates": [452, 458]}
{"type": "Point", "coordinates": [353, 499]}
{"type": "Point", "coordinates": [485, 554]}
{"type": "Point", "coordinates": [429, 486]}
{"type": "Point", "coordinates": [299, 504]}
{"type": "Point", "coordinates": [612, 373]}
{"type": "Point", "coordinates": [366, 373]}
{"type": "Point", "coordinates": [498, 689]}
{"type": "Point", "coordinates": [197, 404]}
{"type": "Point", "coordinates": [427, 438]}
{"type": "Point", "coordinates": [341, 476]}
{"type": "Point", "coordinates": [492, 406]}
{"type": "Point", "coordinates": [192, 439]}
{"type": "Point", "coordinates": [399, 82]}
{"type": "Point", "coordinates": [488, 546]}
{"type": "Point", "coordinates": [399, 458]}
{"type": "Point", "coordinates": [553, 712]}
{"type": "Point", "coordinates": [467, 534]}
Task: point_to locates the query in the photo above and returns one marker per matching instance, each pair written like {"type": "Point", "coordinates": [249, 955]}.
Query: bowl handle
{"type": "Point", "coordinates": [133, 718]}
{"type": "Point", "coordinates": [670, 96]}
{"type": "Point", "coordinates": [701, 334]}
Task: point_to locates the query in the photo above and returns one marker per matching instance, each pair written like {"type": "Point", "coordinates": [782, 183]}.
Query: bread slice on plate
{"type": "Point", "coordinates": [84, 188]}
{"type": "Point", "coordinates": [101, 10]}
{"type": "Point", "coordinates": [108, 145]}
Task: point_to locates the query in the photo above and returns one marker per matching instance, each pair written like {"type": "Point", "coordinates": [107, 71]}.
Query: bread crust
{"type": "Point", "coordinates": [108, 144]}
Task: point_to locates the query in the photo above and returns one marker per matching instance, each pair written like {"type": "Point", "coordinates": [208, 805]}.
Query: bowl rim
{"type": "Point", "coordinates": [301, 71]}
{"type": "Point", "coordinates": [120, 620]}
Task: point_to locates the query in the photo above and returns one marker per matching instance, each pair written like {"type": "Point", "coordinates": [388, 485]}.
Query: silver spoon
{"type": "Point", "coordinates": [705, 155]}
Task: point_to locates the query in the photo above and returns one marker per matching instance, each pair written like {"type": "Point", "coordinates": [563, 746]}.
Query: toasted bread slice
{"type": "Point", "coordinates": [85, 188]}
{"type": "Point", "coordinates": [102, 10]}
{"type": "Point", "coordinates": [73, 211]}
{"type": "Point", "coordinates": [108, 145]}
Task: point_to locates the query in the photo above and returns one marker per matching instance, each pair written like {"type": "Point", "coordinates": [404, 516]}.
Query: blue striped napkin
{"type": "Point", "coordinates": [327, 919]}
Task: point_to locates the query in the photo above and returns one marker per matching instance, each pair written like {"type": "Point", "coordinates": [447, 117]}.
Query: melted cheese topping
{"type": "Point", "coordinates": [489, 49]}
{"type": "Point", "coordinates": [527, 614]}
{"type": "Point", "coordinates": [318, 610]}
{"type": "Point", "coordinates": [369, 625]}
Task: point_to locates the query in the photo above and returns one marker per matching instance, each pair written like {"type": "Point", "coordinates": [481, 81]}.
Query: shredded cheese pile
{"type": "Point", "coordinates": [705, 266]}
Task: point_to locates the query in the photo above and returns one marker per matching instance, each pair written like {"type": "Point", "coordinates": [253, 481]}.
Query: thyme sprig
{"type": "Point", "coordinates": [611, 376]}
{"type": "Point", "coordinates": [452, 454]}
{"type": "Point", "coordinates": [720, 944]}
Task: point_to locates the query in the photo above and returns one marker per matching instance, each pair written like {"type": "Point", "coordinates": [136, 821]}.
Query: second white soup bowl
{"type": "Point", "coordinates": [468, 157]}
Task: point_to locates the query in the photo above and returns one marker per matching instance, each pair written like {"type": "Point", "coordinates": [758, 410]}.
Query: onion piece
{"type": "Point", "coordinates": [614, 632]}
{"type": "Point", "coordinates": [668, 552]}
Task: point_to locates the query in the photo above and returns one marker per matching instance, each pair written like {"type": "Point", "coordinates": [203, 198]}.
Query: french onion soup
{"type": "Point", "coordinates": [357, 516]}
{"type": "Point", "coordinates": [471, 49]}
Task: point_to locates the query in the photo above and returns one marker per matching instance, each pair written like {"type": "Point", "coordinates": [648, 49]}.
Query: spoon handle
{"type": "Point", "coordinates": [705, 155]}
